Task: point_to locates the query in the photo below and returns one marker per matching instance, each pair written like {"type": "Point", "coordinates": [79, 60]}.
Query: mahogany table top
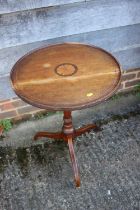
{"type": "Point", "coordinates": [66, 76]}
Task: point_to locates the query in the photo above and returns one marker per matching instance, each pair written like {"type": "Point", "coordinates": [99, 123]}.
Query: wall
{"type": "Point", "coordinates": [27, 24]}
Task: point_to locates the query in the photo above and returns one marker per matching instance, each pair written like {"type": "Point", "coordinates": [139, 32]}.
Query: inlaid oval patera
{"type": "Point", "coordinates": [66, 69]}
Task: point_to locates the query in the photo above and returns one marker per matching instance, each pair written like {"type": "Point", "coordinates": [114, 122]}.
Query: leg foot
{"type": "Point", "coordinates": [49, 135]}
{"type": "Point", "coordinates": [86, 128]}
{"type": "Point", "coordinates": [74, 162]}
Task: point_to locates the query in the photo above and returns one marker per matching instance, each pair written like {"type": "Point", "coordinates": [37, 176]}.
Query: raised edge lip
{"type": "Point", "coordinates": [73, 107]}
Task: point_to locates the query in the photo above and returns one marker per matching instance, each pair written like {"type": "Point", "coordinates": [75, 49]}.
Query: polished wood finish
{"type": "Point", "coordinates": [68, 134]}
{"type": "Point", "coordinates": [66, 77]}
{"type": "Point", "coordinates": [74, 161]}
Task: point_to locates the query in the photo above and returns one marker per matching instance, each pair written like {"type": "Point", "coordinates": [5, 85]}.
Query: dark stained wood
{"type": "Point", "coordinates": [68, 134]}
{"type": "Point", "coordinates": [86, 128]}
{"type": "Point", "coordinates": [68, 128]}
{"type": "Point", "coordinates": [74, 161]}
{"type": "Point", "coordinates": [48, 135]}
{"type": "Point", "coordinates": [66, 77]}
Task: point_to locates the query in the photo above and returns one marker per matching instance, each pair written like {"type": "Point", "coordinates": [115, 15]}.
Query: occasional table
{"type": "Point", "coordinates": [66, 77]}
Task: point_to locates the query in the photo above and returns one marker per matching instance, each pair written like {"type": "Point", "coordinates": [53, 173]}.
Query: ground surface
{"type": "Point", "coordinates": [38, 175]}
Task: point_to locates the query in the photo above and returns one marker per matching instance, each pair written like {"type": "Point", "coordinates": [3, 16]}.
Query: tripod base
{"type": "Point", "coordinates": [68, 134]}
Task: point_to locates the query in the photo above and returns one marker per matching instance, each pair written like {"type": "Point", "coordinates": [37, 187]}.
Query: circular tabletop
{"type": "Point", "coordinates": [66, 76]}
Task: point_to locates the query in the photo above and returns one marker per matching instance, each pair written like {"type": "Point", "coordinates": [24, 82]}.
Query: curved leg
{"type": "Point", "coordinates": [86, 128]}
{"type": "Point", "coordinates": [49, 135]}
{"type": "Point", "coordinates": [74, 162]}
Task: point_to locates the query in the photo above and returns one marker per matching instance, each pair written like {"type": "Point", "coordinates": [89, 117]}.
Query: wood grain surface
{"type": "Point", "coordinates": [66, 76]}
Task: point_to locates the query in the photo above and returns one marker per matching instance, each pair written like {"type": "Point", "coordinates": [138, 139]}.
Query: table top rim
{"type": "Point", "coordinates": [53, 107]}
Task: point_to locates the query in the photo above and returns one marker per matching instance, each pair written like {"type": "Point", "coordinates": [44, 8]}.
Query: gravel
{"type": "Point", "coordinates": [39, 176]}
